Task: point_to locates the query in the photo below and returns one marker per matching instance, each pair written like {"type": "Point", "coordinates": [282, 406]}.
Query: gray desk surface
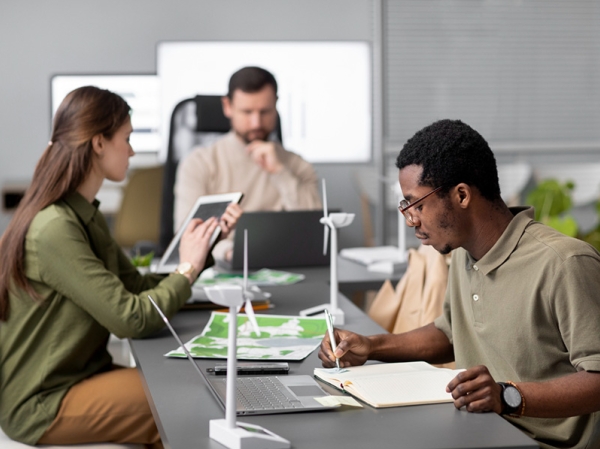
{"type": "Point", "coordinates": [352, 276]}
{"type": "Point", "coordinates": [183, 405]}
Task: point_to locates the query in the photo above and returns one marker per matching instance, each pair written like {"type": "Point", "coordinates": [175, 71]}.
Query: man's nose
{"type": "Point", "coordinates": [411, 221]}
{"type": "Point", "coordinates": [255, 120]}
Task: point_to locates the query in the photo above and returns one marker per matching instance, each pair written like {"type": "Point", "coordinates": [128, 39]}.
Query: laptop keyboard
{"type": "Point", "coordinates": [264, 393]}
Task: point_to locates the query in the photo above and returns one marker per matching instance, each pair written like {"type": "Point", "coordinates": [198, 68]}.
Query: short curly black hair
{"type": "Point", "coordinates": [452, 152]}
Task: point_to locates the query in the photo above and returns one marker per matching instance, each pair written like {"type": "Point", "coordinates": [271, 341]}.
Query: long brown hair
{"type": "Point", "coordinates": [65, 164]}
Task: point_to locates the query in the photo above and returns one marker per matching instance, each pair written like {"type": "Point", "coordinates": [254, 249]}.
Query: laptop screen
{"type": "Point", "coordinates": [280, 239]}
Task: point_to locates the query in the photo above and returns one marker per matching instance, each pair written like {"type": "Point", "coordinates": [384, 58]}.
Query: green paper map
{"type": "Point", "coordinates": [281, 338]}
{"type": "Point", "coordinates": [263, 276]}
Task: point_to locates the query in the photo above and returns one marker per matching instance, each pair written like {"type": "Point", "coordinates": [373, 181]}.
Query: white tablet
{"type": "Point", "coordinates": [204, 208]}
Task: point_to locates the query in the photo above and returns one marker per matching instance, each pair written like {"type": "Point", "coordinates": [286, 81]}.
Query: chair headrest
{"type": "Point", "coordinates": [209, 114]}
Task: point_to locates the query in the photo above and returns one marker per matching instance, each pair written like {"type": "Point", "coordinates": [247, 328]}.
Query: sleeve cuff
{"type": "Point", "coordinates": [588, 364]}
{"type": "Point", "coordinates": [442, 324]}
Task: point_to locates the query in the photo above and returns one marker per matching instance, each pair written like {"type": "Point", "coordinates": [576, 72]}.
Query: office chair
{"type": "Point", "coordinates": [196, 121]}
{"type": "Point", "coordinates": [138, 217]}
{"type": "Point", "coordinates": [418, 297]}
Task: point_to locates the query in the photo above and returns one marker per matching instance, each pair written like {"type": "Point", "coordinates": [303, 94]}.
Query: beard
{"type": "Point", "coordinates": [255, 134]}
{"type": "Point", "coordinates": [445, 250]}
{"type": "Point", "coordinates": [446, 223]}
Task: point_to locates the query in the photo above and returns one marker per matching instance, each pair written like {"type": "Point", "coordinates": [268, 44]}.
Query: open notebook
{"type": "Point", "coordinates": [392, 384]}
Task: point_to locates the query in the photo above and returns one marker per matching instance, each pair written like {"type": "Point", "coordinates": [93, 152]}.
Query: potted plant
{"type": "Point", "coordinates": [142, 262]}
{"type": "Point", "coordinates": [552, 202]}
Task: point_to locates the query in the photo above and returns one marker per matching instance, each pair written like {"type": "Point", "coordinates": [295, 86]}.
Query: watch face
{"type": "Point", "coordinates": [512, 396]}
{"type": "Point", "coordinates": [184, 268]}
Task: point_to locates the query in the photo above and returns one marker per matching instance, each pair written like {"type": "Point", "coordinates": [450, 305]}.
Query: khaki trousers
{"type": "Point", "coordinates": [107, 407]}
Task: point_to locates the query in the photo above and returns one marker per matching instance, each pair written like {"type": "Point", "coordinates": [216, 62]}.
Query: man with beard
{"type": "Point", "coordinates": [522, 305]}
{"type": "Point", "coordinates": [244, 160]}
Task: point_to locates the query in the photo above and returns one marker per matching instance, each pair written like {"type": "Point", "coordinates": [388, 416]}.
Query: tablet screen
{"type": "Point", "coordinates": [205, 211]}
{"type": "Point", "coordinates": [204, 208]}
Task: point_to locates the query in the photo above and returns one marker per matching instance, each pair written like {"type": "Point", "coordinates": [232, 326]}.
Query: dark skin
{"type": "Point", "coordinates": [462, 219]}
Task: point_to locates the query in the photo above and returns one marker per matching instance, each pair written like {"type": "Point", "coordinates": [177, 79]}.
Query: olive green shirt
{"type": "Point", "coordinates": [88, 289]}
{"type": "Point", "coordinates": [530, 311]}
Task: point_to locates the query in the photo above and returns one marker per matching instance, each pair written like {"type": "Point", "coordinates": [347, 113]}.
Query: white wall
{"type": "Point", "coordinates": [40, 38]}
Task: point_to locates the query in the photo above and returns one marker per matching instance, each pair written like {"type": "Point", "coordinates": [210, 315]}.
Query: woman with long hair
{"type": "Point", "coordinates": [65, 285]}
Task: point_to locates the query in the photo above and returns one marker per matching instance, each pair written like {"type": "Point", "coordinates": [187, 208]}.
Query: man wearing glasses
{"type": "Point", "coordinates": [522, 306]}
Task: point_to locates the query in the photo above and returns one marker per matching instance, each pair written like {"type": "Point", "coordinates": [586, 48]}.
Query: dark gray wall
{"type": "Point", "coordinates": [42, 38]}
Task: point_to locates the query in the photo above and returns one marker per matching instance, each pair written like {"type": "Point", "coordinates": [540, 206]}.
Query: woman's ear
{"type": "Point", "coordinates": [98, 144]}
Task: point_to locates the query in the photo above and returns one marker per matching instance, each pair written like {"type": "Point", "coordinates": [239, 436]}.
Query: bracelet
{"type": "Point", "coordinates": [522, 409]}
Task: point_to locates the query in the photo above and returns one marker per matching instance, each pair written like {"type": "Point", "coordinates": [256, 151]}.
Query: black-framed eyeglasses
{"type": "Point", "coordinates": [404, 205]}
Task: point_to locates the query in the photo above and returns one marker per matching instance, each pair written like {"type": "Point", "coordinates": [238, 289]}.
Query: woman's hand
{"type": "Point", "coordinates": [229, 219]}
{"type": "Point", "coordinates": [195, 244]}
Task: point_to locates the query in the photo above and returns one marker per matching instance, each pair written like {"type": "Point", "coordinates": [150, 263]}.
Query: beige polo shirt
{"type": "Point", "coordinates": [530, 311]}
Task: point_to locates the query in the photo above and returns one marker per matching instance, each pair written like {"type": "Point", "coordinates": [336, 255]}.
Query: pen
{"type": "Point", "coordinates": [242, 310]}
{"type": "Point", "coordinates": [329, 320]}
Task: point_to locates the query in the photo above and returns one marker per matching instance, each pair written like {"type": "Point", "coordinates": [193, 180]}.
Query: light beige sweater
{"type": "Point", "coordinates": [226, 167]}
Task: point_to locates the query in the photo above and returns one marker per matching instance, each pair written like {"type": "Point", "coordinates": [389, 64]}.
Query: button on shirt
{"type": "Point", "coordinates": [529, 310]}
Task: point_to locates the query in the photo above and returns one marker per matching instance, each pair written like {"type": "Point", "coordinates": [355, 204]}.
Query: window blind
{"type": "Point", "coordinates": [517, 71]}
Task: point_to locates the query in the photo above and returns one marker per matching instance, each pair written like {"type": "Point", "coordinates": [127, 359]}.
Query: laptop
{"type": "Point", "coordinates": [261, 395]}
{"type": "Point", "coordinates": [280, 239]}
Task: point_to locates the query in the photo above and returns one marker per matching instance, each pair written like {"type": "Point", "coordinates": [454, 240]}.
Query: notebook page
{"type": "Point", "coordinates": [412, 387]}
{"type": "Point", "coordinates": [379, 369]}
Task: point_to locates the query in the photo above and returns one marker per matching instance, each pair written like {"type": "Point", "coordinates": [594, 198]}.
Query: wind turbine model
{"type": "Point", "coordinates": [332, 221]}
{"type": "Point", "coordinates": [394, 257]}
{"type": "Point", "coordinates": [228, 432]}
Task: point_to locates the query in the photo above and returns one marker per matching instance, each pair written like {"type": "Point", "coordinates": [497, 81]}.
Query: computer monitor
{"type": "Point", "coordinates": [141, 91]}
{"type": "Point", "coordinates": [324, 89]}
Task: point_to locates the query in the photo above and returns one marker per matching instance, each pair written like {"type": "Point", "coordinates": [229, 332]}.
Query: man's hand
{"type": "Point", "coordinates": [229, 219]}
{"type": "Point", "coordinates": [352, 349]}
{"type": "Point", "coordinates": [263, 153]}
{"type": "Point", "coordinates": [476, 390]}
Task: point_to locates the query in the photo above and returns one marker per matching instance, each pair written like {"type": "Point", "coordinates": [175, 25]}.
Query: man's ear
{"type": "Point", "coordinates": [463, 195]}
{"type": "Point", "coordinates": [226, 106]}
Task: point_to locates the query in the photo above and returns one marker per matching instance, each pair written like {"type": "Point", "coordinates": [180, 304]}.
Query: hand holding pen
{"type": "Point", "coordinates": [329, 320]}
{"type": "Point", "coordinates": [355, 349]}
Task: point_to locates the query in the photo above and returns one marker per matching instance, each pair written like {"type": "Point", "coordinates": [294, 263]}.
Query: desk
{"type": "Point", "coordinates": [183, 405]}
{"type": "Point", "coordinates": [352, 276]}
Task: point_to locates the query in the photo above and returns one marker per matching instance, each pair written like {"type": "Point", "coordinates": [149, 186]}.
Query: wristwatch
{"type": "Point", "coordinates": [511, 398]}
{"type": "Point", "coordinates": [184, 268]}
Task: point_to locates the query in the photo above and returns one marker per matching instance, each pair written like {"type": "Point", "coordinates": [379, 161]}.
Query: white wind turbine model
{"type": "Point", "coordinates": [332, 221]}
{"type": "Point", "coordinates": [229, 432]}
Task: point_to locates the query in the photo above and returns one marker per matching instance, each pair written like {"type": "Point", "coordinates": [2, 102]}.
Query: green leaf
{"type": "Point", "coordinates": [593, 238]}
{"type": "Point", "coordinates": [567, 225]}
{"type": "Point", "coordinates": [550, 198]}
{"type": "Point", "coordinates": [142, 261]}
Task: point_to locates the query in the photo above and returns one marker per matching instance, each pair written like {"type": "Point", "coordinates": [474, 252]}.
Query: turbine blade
{"type": "Point", "coordinates": [325, 212]}
{"type": "Point", "coordinates": [250, 312]}
{"type": "Point", "coordinates": [325, 239]}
